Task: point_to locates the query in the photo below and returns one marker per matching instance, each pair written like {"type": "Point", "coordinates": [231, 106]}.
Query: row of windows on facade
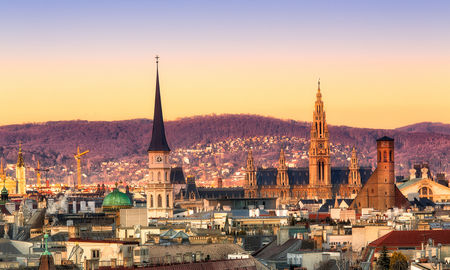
{"type": "Point", "coordinates": [159, 201]}
{"type": "Point", "coordinates": [158, 176]}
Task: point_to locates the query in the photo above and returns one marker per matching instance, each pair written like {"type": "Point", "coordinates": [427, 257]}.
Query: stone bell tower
{"type": "Point", "coordinates": [319, 152]}
{"type": "Point", "coordinates": [159, 188]}
{"type": "Point", "coordinates": [20, 173]}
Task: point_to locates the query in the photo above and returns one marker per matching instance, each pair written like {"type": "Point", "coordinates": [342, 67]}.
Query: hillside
{"type": "Point", "coordinates": [55, 142]}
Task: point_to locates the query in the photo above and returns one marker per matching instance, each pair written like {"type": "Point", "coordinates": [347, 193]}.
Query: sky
{"type": "Point", "coordinates": [382, 64]}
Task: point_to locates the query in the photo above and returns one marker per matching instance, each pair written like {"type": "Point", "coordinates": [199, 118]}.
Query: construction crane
{"type": "Point", "coordinates": [77, 157]}
{"type": "Point", "coordinates": [38, 171]}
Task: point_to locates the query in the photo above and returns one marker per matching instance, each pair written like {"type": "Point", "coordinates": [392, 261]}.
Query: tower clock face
{"type": "Point", "coordinates": [159, 159]}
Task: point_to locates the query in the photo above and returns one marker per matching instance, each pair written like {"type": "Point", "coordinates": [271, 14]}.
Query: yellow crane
{"type": "Point", "coordinates": [38, 171]}
{"type": "Point", "coordinates": [77, 157]}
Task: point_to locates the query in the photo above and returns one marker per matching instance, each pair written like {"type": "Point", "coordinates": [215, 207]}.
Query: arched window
{"type": "Point", "coordinates": [385, 156]}
{"type": "Point", "coordinates": [426, 192]}
{"type": "Point", "coordinates": [391, 158]}
{"type": "Point", "coordinates": [166, 176]}
{"type": "Point", "coordinates": [151, 201]}
{"type": "Point", "coordinates": [379, 156]}
{"type": "Point", "coordinates": [159, 200]}
{"type": "Point", "coordinates": [167, 201]}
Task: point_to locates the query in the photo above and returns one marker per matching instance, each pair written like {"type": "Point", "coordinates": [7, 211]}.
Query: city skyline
{"type": "Point", "coordinates": [95, 61]}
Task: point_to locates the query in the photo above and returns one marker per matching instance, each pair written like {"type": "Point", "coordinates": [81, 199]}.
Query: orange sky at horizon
{"type": "Point", "coordinates": [382, 64]}
{"type": "Point", "coordinates": [355, 93]}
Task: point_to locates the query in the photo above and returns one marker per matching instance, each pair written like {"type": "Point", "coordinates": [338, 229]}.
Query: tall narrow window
{"type": "Point", "coordinates": [151, 201]}
{"type": "Point", "coordinates": [167, 201]}
{"type": "Point", "coordinates": [159, 200]}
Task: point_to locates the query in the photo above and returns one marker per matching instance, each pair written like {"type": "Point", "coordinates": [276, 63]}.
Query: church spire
{"type": "Point", "coordinates": [20, 161]}
{"type": "Point", "coordinates": [158, 142]}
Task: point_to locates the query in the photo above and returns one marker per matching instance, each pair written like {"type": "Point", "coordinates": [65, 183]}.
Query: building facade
{"type": "Point", "coordinates": [318, 181]}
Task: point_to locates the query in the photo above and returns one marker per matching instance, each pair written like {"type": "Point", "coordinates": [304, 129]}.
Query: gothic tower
{"type": "Point", "coordinates": [354, 177]}
{"type": "Point", "coordinates": [251, 187]}
{"type": "Point", "coordinates": [282, 177]}
{"type": "Point", "coordinates": [319, 151]}
{"type": "Point", "coordinates": [160, 190]}
{"type": "Point", "coordinates": [20, 173]}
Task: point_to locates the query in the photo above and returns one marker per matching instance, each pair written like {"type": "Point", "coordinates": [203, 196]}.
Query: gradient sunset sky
{"type": "Point", "coordinates": [382, 64]}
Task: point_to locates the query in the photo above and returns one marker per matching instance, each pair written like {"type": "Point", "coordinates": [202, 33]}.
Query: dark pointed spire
{"type": "Point", "coordinates": [158, 142]}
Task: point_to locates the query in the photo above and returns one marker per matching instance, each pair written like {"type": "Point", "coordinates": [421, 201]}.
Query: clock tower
{"type": "Point", "coordinates": [319, 152]}
{"type": "Point", "coordinates": [159, 188]}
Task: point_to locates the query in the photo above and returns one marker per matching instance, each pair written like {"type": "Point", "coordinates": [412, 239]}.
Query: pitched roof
{"type": "Point", "coordinates": [158, 142]}
{"type": "Point", "coordinates": [412, 238]}
{"type": "Point", "coordinates": [300, 175]}
{"type": "Point", "coordinates": [385, 138]}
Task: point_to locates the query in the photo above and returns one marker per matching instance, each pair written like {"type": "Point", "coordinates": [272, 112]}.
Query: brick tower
{"type": "Point", "coordinates": [380, 191]}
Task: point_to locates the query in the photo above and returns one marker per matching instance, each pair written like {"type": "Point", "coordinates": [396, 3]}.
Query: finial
{"type": "Point", "coordinates": [318, 84]}
{"type": "Point", "coordinates": [157, 59]}
{"type": "Point", "coordinates": [20, 146]}
{"type": "Point", "coordinates": [46, 252]}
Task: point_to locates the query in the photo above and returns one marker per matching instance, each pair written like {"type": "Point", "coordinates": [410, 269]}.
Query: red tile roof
{"type": "Point", "coordinates": [412, 238]}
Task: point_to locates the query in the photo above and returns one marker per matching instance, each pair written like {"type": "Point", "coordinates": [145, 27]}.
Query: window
{"type": "Point", "coordinates": [151, 201]}
{"type": "Point", "coordinates": [167, 201]}
{"type": "Point", "coordinates": [426, 192]}
{"type": "Point", "coordinates": [159, 176]}
{"type": "Point", "coordinates": [95, 254]}
{"type": "Point", "coordinates": [159, 200]}
{"type": "Point", "coordinates": [385, 156]}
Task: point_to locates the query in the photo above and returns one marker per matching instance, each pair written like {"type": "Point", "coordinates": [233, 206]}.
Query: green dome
{"type": "Point", "coordinates": [116, 200]}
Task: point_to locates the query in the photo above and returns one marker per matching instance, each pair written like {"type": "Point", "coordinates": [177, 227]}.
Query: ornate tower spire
{"type": "Point", "coordinates": [20, 173]}
{"type": "Point", "coordinates": [250, 163]}
{"type": "Point", "coordinates": [251, 185]}
{"type": "Point", "coordinates": [354, 177]}
{"type": "Point", "coordinates": [282, 177]}
{"type": "Point", "coordinates": [158, 142]}
{"type": "Point", "coordinates": [20, 161]}
{"type": "Point", "coordinates": [319, 150]}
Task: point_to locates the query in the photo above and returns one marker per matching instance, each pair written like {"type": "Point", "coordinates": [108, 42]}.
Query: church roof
{"type": "Point", "coordinates": [116, 199]}
{"type": "Point", "coordinates": [300, 176]}
{"type": "Point", "coordinates": [385, 138]}
{"type": "Point", "coordinates": [158, 142]}
{"type": "Point", "coordinates": [177, 176]}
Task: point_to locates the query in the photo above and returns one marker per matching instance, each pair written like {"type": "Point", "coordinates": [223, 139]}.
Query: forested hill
{"type": "Point", "coordinates": [55, 142]}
